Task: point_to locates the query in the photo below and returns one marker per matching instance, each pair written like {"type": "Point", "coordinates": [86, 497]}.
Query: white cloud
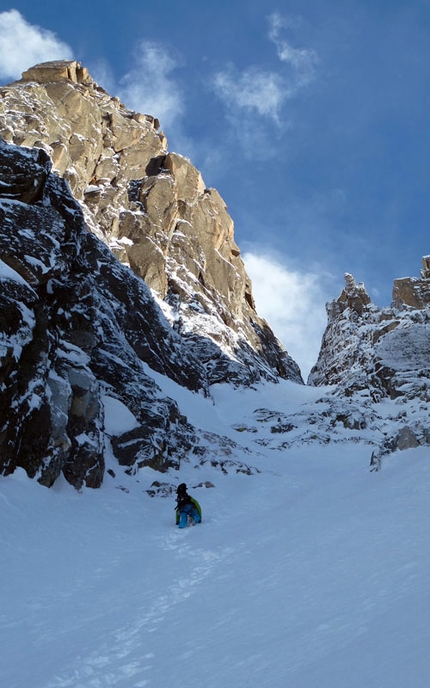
{"type": "Point", "coordinates": [23, 45]}
{"type": "Point", "coordinates": [254, 95]}
{"type": "Point", "coordinates": [253, 89]}
{"type": "Point", "coordinates": [293, 303]}
{"type": "Point", "coordinates": [148, 87]}
{"type": "Point", "coordinates": [301, 60]}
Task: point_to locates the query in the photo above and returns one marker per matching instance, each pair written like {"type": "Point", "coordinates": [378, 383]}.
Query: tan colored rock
{"type": "Point", "coordinates": [74, 106]}
{"type": "Point", "coordinates": [58, 70]}
{"type": "Point", "coordinates": [159, 199]}
{"type": "Point", "coordinates": [124, 135]}
{"type": "Point", "coordinates": [188, 179]}
{"type": "Point", "coordinates": [135, 159]}
{"type": "Point", "coordinates": [425, 272]}
{"type": "Point", "coordinates": [411, 291]}
{"type": "Point", "coordinates": [107, 167]}
{"type": "Point", "coordinates": [143, 119]}
{"type": "Point", "coordinates": [51, 71]}
{"type": "Point", "coordinates": [146, 259]}
{"type": "Point", "coordinates": [354, 296]}
{"type": "Point", "coordinates": [210, 215]}
{"type": "Point", "coordinates": [60, 156]}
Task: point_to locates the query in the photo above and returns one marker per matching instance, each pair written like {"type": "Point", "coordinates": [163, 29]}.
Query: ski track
{"type": "Point", "coordinates": [310, 572]}
{"type": "Point", "coordinates": [122, 657]}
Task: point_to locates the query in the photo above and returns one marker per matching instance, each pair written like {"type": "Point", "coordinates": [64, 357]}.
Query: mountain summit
{"type": "Point", "coordinates": [116, 262]}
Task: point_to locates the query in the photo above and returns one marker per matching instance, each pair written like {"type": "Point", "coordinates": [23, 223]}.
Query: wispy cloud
{"type": "Point", "coordinates": [102, 72]}
{"type": "Point", "coordinates": [254, 95]}
{"type": "Point", "coordinates": [302, 61]}
{"type": "Point", "coordinates": [254, 89]}
{"type": "Point", "coordinates": [293, 303]}
{"type": "Point", "coordinates": [23, 45]}
{"type": "Point", "coordinates": [149, 87]}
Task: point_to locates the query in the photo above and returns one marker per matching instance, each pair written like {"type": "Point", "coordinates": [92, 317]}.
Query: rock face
{"type": "Point", "coordinates": [152, 208]}
{"type": "Point", "coordinates": [372, 354]}
{"type": "Point", "coordinates": [383, 350]}
{"type": "Point", "coordinates": [76, 327]}
{"type": "Point", "coordinates": [157, 284]}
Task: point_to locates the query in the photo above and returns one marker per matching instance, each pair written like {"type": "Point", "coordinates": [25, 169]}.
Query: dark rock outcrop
{"type": "Point", "coordinates": [76, 327]}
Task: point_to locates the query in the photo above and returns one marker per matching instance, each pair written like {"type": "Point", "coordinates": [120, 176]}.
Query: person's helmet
{"type": "Point", "coordinates": [182, 490]}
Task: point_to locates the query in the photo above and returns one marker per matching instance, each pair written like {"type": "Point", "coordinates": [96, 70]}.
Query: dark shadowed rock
{"type": "Point", "coordinates": [77, 325]}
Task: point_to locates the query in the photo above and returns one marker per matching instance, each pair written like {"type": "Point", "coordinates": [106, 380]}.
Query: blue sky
{"type": "Point", "coordinates": [310, 117]}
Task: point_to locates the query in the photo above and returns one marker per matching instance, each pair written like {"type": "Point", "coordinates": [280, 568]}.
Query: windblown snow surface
{"type": "Point", "coordinates": [312, 573]}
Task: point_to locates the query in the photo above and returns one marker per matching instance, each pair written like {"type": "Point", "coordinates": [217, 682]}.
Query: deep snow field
{"type": "Point", "coordinates": [314, 573]}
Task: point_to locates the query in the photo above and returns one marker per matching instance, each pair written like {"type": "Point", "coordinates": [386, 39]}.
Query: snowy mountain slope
{"type": "Point", "coordinates": [76, 324]}
{"type": "Point", "coordinates": [311, 572]}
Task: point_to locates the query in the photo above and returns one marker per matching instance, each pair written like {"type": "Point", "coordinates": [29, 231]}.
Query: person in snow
{"type": "Point", "coordinates": [188, 510]}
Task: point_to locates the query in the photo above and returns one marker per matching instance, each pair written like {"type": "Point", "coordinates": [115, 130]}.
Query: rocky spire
{"type": "Point", "coordinates": [382, 351]}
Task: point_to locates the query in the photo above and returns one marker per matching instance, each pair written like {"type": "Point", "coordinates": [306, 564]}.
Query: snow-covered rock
{"type": "Point", "coordinates": [75, 326]}
{"type": "Point", "coordinates": [157, 285]}
{"type": "Point", "coordinates": [374, 354]}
